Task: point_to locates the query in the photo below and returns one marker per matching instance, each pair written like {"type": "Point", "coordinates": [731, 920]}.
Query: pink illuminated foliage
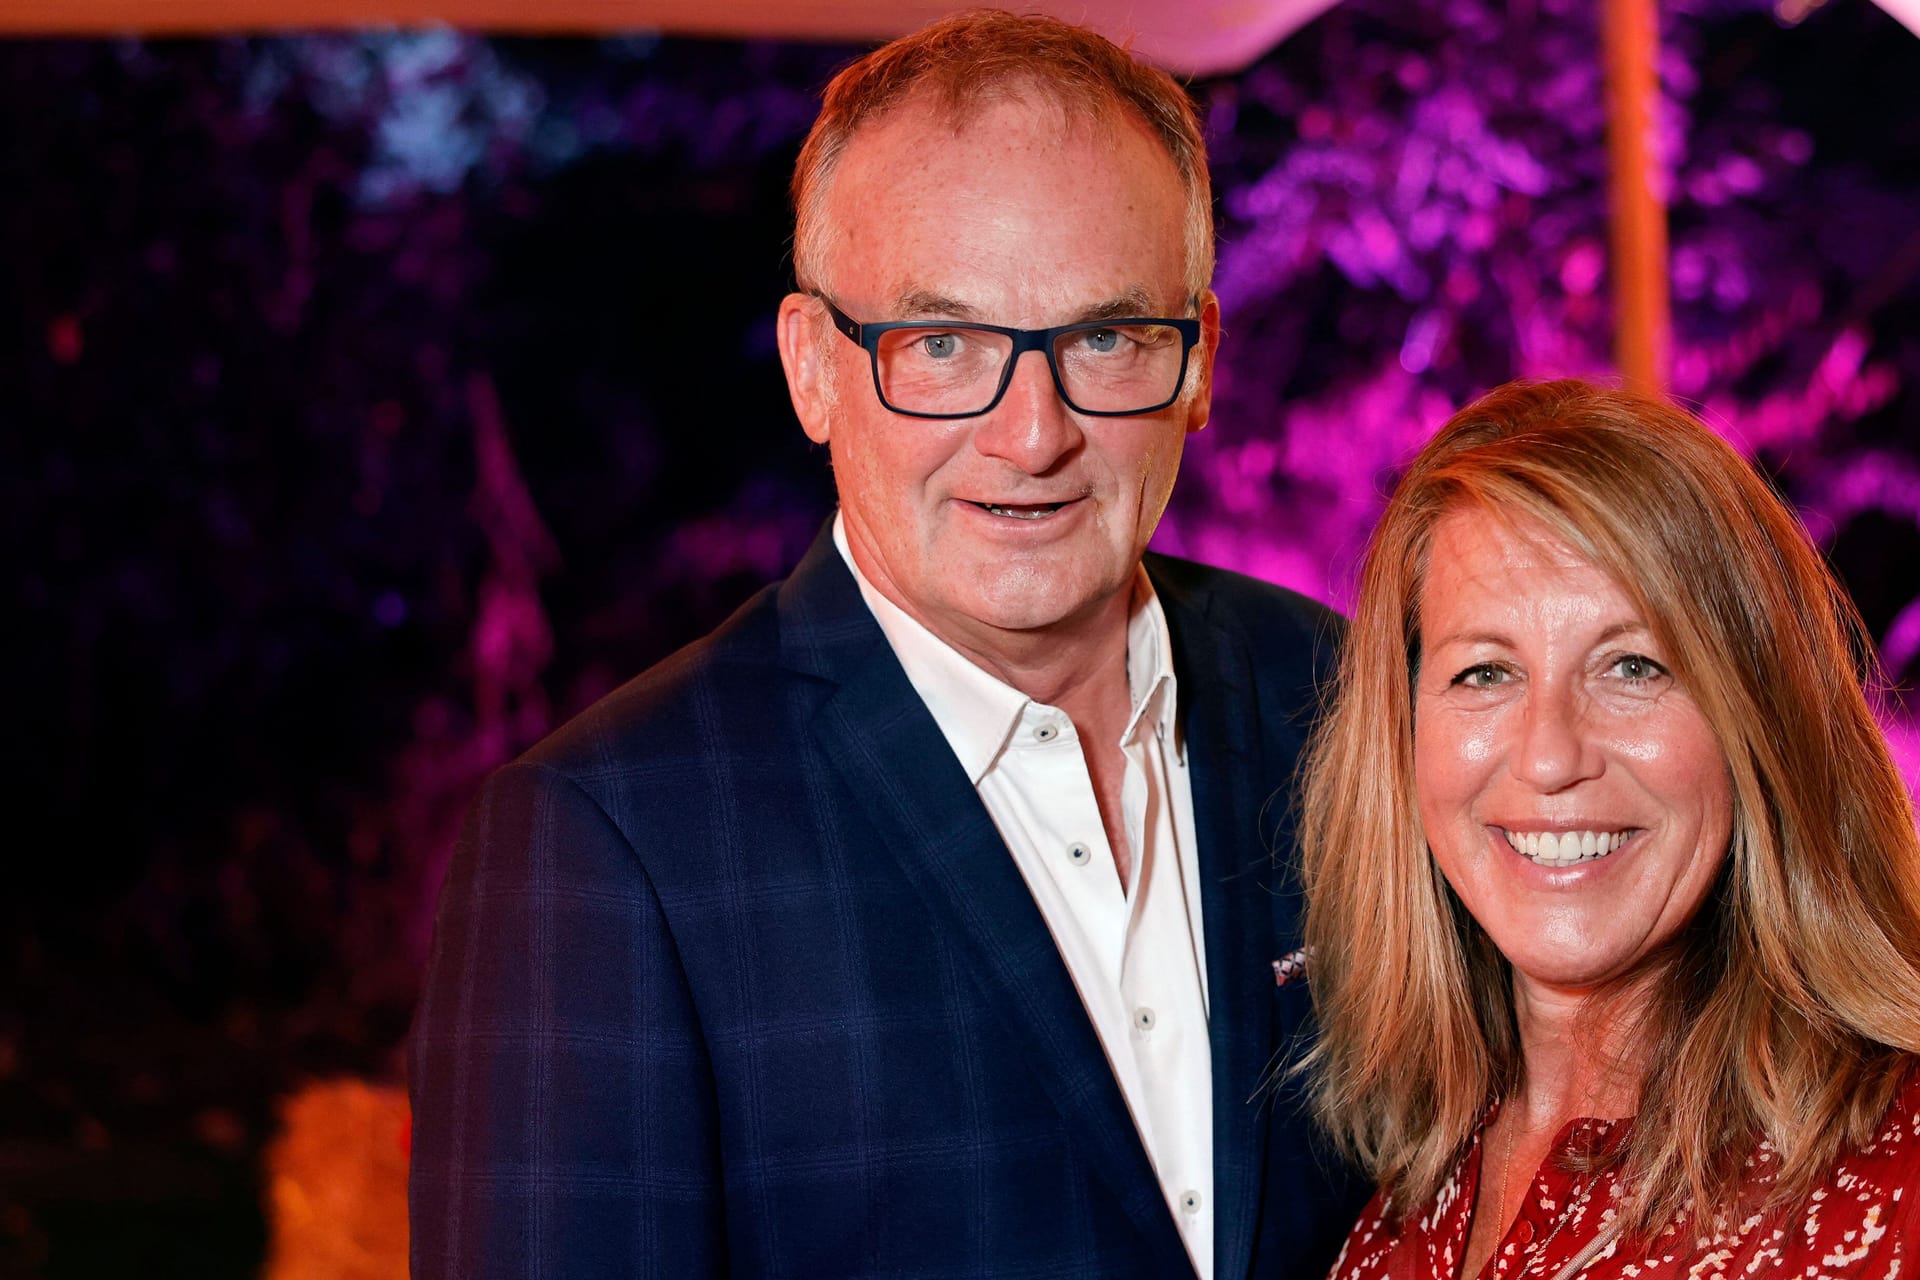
{"type": "Point", "coordinates": [1416, 210]}
{"type": "Point", "coordinates": [386, 398]}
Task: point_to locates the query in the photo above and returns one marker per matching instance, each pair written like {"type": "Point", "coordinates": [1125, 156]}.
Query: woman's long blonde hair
{"type": "Point", "coordinates": [1788, 1008]}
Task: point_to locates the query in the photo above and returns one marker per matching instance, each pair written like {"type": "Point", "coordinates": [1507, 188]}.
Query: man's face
{"type": "Point", "coordinates": [1023, 217]}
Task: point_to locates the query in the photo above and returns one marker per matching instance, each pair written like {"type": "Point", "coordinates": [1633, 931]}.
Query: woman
{"type": "Point", "coordinates": [1613, 891]}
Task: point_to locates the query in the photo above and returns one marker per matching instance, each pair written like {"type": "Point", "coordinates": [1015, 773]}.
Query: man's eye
{"type": "Point", "coordinates": [1101, 340]}
{"type": "Point", "coordinates": [940, 345]}
{"type": "Point", "coordinates": [1484, 675]}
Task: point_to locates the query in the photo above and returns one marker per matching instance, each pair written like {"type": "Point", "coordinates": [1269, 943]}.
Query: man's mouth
{"type": "Point", "coordinates": [1038, 511]}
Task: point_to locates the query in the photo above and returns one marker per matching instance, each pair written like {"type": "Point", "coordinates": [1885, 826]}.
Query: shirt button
{"type": "Point", "coordinates": [1079, 855]}
{"type": "Point", "coordinates": [1046, 732]}
{"type": "Point", "coordinates": [1143, 1019]}
{"type": "Point", "coordinates": [1524, 1232]}
{"type": "Point", "coordinates": [1190, 1202]}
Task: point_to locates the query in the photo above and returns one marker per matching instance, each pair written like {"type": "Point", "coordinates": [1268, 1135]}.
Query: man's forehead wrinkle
{"type": "Point", "coordinates": [915, 303]}
{"type": "Point", "coordinates": [946, 109]}
{"type": "Point", "coordinates": [915, 227]}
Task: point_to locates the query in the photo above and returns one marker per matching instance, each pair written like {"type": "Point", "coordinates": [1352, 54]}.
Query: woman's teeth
{"type": "Point", "coordinates": [1564, 848]}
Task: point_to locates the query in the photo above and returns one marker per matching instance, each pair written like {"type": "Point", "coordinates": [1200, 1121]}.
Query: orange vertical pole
{"type": "Point", "coordinates": [1630, 34]}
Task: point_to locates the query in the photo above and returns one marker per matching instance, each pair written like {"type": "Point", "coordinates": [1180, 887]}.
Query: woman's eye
{"type": "Point", "coordinates": [1638, 669]}
{"type": "Point", "coordinates": [1483, 676]}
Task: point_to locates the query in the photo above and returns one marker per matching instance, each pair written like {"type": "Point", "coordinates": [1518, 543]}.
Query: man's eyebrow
{"type": "Point", "coordinates": [1133, 302]}
{"type": "Point", "coordinates": [917, 304]}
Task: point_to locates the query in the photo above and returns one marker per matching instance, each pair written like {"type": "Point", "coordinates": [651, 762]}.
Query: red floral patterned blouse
{"type": "Point", "coordinates": [1864, 1222]}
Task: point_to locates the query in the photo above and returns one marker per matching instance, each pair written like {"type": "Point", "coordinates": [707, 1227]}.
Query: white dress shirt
{"type": "Point", "coordinates": [1136, 953]}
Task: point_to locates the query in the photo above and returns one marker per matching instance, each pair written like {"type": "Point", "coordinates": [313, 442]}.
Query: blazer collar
{"type": "Point", "coordinates": [1229, 773]}
{"type": "Point", "coordinates": [894, 761]}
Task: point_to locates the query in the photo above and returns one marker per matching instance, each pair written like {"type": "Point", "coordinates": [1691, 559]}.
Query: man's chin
{"type": "Point", "coordinates": [1032, 604]}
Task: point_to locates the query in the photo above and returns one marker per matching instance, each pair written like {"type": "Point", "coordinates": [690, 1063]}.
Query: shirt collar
{"type": "Point", "coordinates": [1150, 679]}
{"type": "Point", "coordinates": [977, 712]}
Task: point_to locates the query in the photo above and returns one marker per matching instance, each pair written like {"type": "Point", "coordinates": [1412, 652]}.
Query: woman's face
{"type": "Point", "coordinates": [1572, 793]}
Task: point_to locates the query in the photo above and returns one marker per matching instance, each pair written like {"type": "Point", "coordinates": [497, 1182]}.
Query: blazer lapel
{"type": "Point", "coordinates": [895, 762]}
{"type": "Point", "coordinates": [1220, 714]}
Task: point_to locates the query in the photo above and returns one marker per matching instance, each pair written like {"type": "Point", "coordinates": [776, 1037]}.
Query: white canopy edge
{"type": "Point", "coordinates": [1189, 37]}
{"type": "Point", "coordinates": [1907, 11]}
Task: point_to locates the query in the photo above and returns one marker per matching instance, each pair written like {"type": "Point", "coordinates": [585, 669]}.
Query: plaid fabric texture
{"type": "Point", "coordinates": [732, 976]}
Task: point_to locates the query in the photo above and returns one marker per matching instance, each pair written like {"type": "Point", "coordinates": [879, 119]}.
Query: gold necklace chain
{"type": "Point", "coordinates": [1539, 1246]}
{"type": "Point", "coordinates": [1506, 1167]}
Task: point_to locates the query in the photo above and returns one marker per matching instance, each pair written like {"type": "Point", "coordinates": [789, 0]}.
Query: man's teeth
{"type": "Point", "coordinates": [1024, 513]}
{"type": "Point", "coordinates": [1563, 849]}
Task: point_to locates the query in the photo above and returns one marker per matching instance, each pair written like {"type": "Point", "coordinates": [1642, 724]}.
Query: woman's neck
{"type": "Point", "coordinates": [1576, 1061]}
{"type": "Point", "coordinates": [1576, 1054]}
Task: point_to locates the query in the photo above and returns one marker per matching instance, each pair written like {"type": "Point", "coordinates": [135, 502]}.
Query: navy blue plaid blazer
{"type": "Point", "coordinates": [734, 976]}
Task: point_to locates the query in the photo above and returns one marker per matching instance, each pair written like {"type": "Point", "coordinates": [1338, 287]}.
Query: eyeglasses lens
{"type": "Point", "coordinates": [952, 369]}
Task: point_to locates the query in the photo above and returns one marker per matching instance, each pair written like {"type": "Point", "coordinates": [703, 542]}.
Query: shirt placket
{"type": "Point", "coordinates": [1079, 860]}
{"type": "Point", "coordinates": [1166, 1014]}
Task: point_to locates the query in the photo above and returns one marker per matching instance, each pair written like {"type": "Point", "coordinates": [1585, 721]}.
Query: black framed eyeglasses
{"type": "Point", "coordinates": [1102, 368]}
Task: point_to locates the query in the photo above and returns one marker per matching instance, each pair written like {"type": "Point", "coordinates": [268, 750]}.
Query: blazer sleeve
{"type": "Point", "coordinates": [565, 1122]}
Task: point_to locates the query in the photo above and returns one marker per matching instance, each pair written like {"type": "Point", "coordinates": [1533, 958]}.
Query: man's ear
{"type": "Point", "coordinates": [802, 358]}
{"type": "Point", "coordinates": [1204, 351]}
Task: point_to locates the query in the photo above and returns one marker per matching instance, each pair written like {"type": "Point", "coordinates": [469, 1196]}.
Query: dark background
{"type": "Point", "coordinates": [369, 404]}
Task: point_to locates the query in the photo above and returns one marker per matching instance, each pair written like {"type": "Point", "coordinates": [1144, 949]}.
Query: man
{"type": "Point", "coordinates": [921, 920]}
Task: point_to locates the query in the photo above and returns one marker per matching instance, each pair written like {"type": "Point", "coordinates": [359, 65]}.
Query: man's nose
{"type": "Point", "coordinates": [1031, 427]}
{"type": "Point", "coordinates": [1557, 747]}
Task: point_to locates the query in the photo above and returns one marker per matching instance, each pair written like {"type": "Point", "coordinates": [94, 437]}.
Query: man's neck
{"type": "Point", "coordinates": [1077, 664]}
